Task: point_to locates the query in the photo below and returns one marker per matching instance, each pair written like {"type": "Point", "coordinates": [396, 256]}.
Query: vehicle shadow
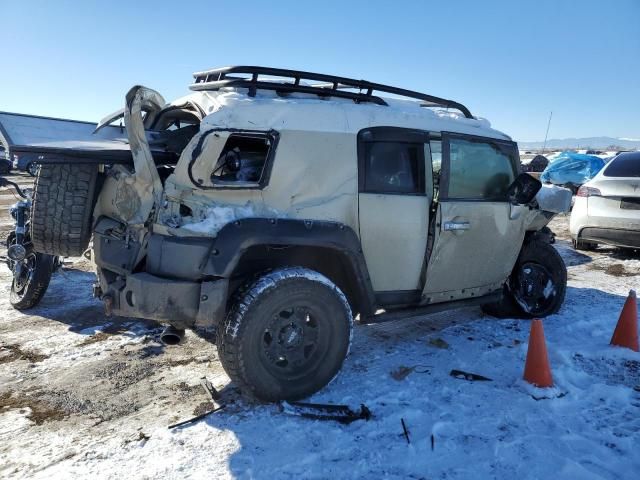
{"type": "Point", "coordinates": [268, 441]}
{"type": "Point", "coordinates": [625, 253]}
{"type": "Point", "coordinates": [571, 256]}
{"type": "Point", "coordinates": [69, 301]}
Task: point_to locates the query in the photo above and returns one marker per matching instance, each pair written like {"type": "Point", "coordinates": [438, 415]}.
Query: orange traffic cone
{"type": "Point", "coordinates": [536, 368]}
{"type": "Point", "coordinates": [626, 332]}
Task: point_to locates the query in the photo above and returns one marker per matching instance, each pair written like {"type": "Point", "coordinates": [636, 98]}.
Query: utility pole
{"type": "Point", "coordinates": [547, 134]}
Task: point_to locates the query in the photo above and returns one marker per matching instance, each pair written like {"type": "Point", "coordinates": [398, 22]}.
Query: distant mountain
{"type": "Point", "coordinates": [588, 142]}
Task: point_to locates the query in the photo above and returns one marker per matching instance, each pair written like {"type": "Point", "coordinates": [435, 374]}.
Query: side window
{"type": "Point", "coordinates": [480, 169]}
{"type": "Point", "coordinates": [242, 160]}
{"type": "Point", "coordinates": [394, 167]}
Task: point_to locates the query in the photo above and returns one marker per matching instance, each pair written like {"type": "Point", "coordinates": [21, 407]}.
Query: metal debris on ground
{"type": "Point", "coordinates": [403, 372]}
{"type": "Point", "coordinates": [318, 411]}
{"type": "Point", "coordinates": [549, 396]}
{"type": "Point", "coordinates": [405, 430]}
{"type": "Point", "coordinates": [215, 397]}
{"type": "Point", "coordinates": [472, 377]}
{"type": "Point", "coordinates": [195, 419]}
{"type": "Point", "coordinates": [438, 343]}
{"type": "Point", "coordinates": [210, 389]}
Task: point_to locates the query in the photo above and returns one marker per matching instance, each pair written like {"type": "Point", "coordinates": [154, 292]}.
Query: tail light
{"type": "Point", "coordinates": [585, 191]}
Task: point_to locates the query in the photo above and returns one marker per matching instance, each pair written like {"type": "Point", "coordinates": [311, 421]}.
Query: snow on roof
{"type": "Point", "coordinates": [233, 108]}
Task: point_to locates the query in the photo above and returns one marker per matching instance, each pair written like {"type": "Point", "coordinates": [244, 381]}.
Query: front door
{"type": "Point", "coordinates": [478, 233]}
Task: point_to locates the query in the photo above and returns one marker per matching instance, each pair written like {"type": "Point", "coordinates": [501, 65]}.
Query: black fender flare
{"type": "Point", "coordinates": [200, 258]}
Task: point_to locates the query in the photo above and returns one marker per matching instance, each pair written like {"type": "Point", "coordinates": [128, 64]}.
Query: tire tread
{"type": "Point", "coordinates": [63, 200]}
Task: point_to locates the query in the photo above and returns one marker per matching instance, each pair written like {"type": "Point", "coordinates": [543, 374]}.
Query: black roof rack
{"type": "Point", "coordinates": [289, 81]}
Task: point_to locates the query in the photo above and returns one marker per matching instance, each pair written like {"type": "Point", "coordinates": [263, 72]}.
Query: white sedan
{"type": "Point", "coordinates": [607, 207]}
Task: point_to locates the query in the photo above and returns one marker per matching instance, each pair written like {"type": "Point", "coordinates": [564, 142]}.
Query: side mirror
{"type": "Point", "coordinates": [523, 189]}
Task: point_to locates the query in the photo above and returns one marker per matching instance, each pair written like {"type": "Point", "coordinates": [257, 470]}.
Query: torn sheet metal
{"type": "Point", "coordinates": [472, 377]}
{"type": "Point", "coordinates": [146, 181]}
{"type": "Point", "coordinates": [318, 411]}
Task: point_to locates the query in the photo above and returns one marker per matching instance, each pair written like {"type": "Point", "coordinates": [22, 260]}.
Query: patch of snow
{"type": "Point", "coordinates": [549, 289]}
{"type": "Point", "coordinates": [217, 216]}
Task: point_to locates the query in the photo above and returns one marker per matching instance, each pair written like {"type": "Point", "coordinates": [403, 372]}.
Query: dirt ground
{"type": "Point", "coordinates": [69, 368]}
{"type": "Point", "coordinates": [72, 379]}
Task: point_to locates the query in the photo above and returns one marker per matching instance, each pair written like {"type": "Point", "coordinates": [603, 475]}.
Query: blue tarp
{"type": "Point", "coordinates": [570, 167]}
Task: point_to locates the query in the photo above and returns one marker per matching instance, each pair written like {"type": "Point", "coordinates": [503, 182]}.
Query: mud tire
{"type": "Point", "coordinates": [63, 201]}
{"type": "Point", "coordinates": [242, 339]}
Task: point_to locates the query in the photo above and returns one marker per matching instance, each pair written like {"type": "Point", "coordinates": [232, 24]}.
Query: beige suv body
{"type": "Point", "coordinates": [287, 191]}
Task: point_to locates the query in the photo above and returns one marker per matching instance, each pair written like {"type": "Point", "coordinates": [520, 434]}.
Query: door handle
{"type": "Point", "coordinates": [454, 226]}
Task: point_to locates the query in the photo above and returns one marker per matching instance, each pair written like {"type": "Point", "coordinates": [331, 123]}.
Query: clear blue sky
{"type": "Point", "coordinates": [510, 61]}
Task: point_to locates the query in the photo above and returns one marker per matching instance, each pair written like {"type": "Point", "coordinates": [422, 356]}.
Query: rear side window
{"type": "Point", "coordinates": [394, 167]}
{"type": "Point", "coordinates": [624, 165]}
{"type": "Point", "coordinates": [242, 160]}
{"type": "Point", "coordinates": [479, 169]}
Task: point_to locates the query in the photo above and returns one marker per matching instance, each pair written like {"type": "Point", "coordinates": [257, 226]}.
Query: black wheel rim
{"type": "Point", "coordinates": [534, 288]}
{"type": "Point", "coordinates": [23, 274]}
{"type": "Point", "coordinates": [293, 342]}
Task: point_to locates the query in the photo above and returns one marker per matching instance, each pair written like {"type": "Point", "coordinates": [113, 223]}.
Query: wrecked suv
{"type": "Point", "coordinates": [279, 205]}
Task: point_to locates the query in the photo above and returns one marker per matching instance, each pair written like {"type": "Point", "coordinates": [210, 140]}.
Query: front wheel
{"type": "Point", "coordinates": [536, 287]}
{"type": "Point", "coordinates": [31, 278]}
{"type": "Point", "coordinates": [32, 169]}
{"type": "Point", "coordinates": [287, 335]}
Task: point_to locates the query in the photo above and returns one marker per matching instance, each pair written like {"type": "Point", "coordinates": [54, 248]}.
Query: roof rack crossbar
{"type": "Point", "coordinates": [328, 86]}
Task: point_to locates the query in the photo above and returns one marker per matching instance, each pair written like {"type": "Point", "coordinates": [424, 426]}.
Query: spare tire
{"type": "Point", "coordinates": [62, 208]}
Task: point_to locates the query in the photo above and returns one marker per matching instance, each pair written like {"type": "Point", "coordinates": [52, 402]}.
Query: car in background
{"type": "Point", "coordinates": [26, 163]}
{"type": "Point", "coordinates": [607, 207]}
{"type": "Point", "coordinates": [5, 163]}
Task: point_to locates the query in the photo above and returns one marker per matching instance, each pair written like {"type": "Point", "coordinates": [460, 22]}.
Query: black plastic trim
{"type": "Point", "coordinates": [412, 312]}
{"type": "Point", "coordinates": [398, 297]}
{"type": "Point", "coordinates": [611, 236]}
{"type": "Point", "coordinates": [219, 257]}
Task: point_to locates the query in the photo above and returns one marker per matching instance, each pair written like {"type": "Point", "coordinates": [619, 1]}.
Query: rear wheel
{"type": "Point", "coordinates": [63, 200]}
{"type": "Point", "coordinates": [286, 336]}
{"type": "Point", "coordinates": [536, 287]}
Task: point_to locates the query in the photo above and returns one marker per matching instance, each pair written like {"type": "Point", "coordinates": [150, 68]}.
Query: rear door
{"type": "Point", "coordinates": [478, 233]}
{"type": "Point", "coordinates": [393, 204]}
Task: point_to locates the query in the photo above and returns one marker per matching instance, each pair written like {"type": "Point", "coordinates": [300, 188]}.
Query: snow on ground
{"type": "Point", "coordinates": [82, 395]}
